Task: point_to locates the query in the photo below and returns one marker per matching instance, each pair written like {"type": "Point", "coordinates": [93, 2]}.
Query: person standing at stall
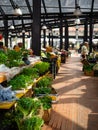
{"type": "Point", "coordinates": [84, 50]}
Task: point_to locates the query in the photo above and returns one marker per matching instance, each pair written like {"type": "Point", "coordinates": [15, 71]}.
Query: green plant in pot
{"type": "Point", "coordinates": [88, 68]}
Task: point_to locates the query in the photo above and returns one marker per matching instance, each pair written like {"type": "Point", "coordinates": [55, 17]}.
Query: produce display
{"type": "Point", "coordinates": [44, 82]}
{"type": "Point", "coordinates": [33, 72]}
{"type": "Point", "coordinates": [46, 102]}
{"type": "Point", "coordinates": [42, 67]}
{"type": "Point", "coordinates": [20, 82]}
{"type": "Point", "coordinates": [27, 114]}
{"type": "Point", "coordinates": [3, 57]}
{"type": "Point", "coordinates": [42, 90]}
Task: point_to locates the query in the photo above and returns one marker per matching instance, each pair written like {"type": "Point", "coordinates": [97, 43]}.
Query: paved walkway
{"type": "Point", "coordinates": [77, 106]}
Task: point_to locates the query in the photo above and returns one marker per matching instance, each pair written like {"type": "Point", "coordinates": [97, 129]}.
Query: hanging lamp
{"type": "Point", "coordinates": [17, 11]}
{"type": "Point", "coordinates": [77, 11]}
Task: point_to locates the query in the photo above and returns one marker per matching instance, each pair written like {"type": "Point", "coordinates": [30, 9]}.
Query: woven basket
{"type": "Point", "coordinates": [46, 115]}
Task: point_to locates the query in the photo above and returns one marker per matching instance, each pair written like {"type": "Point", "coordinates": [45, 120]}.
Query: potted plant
{"type": "Point", "coordinates": [88, 70]}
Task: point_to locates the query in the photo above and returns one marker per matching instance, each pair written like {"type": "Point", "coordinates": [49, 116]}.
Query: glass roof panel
{"type": "Point", "coordinates": [96, 5]}
{"type": "Point", "coordinates": [31, 2]}
{"type": "Point", "coordinates": [1, 23]}
{"type": "Point", "coordinates": [8, 9]}
{"type": "Point", "coordinates": [24, 10]}
{"type": "Point", "coordinates": [28, 21]}
{"type": "Point", "coordinates": [17, 22]}
{"type": "Point", "coordinates": [67, 6]}
{"type": "Point", "coordinates": [20, 2]}
{"type": "Point", "coordinates": [85, 5]}
{"type": "Point", "coordinates": [10, 22]}
{"type": "Point", "coordinates": [5, 2]}
{"type": "Point", "coordinates": [52, 6]}
{"type": "Point", "coordinates": [42, 10]}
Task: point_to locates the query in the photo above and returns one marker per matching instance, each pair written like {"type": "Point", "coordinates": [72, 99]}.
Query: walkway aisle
{"type": "Point", "coordinates": [77, 106]}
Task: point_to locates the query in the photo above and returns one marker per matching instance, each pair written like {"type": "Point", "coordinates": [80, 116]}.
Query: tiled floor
{"type": "Point", "coordinates": [77, 106]}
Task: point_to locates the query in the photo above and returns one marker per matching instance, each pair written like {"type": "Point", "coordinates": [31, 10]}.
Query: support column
{"type": "Point", "coordinates": [90, 36]}
{"type": "Point", "coordinates": [10, 39]}
{"type": "Point", "coordinates": [6, 31]}
{"type": "Point", "coordinates": [61, 35]}
{"type": "Point", "coordinates": [52, 40]}
{"type": "Point", "coordinates": [23, 39]}
{"type": "Point", "coordinates": [86, 31]}
{"type": "Point", "coordinates": [66, 36]}
{"type": "Point", "coordinates": [36, 29]}
{"type": "Point", "coordinates": [44, 34]}
{"type": "Point", "coordinates": [49, 37]}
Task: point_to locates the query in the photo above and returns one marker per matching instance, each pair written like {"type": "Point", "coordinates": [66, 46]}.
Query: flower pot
{"type": "Point", "coordinates": [46, 115]}
{"type": "Point", "coordinates": [89, 73]}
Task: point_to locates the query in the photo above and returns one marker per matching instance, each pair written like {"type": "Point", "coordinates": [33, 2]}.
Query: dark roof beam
{"type": "Point", "coordinates": [2, 11]}
{"type": "Point", "coordinates": [44, 7]}
{"type": "Point", "coordinates": [29, 7]}
{"type": "Point", "coordinates": [59, 2]}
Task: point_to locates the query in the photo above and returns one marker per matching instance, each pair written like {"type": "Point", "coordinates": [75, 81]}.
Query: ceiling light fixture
{"type": "Point", "coordinates": [23, 31]}
{"type": "Point", "coordinates": [77, 11]}
{"type": "Point", "coordinates": [12, 27]}
{"type": "Point", "coordinates": [44, 27]}
{"type": "Point", "coordinates": [77, 21]}
{"type": "Point", "coordinates": [17, 10]}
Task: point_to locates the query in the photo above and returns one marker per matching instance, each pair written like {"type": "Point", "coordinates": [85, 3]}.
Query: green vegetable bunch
{"type": "Point", "coordinates": [43, 67]}
{"type": "Point", "coordinates": [31, 72]}
{"type": "Point", "coordinates": [14, 63]}
{"type": "Point", "coordinates": [46, 102]}
{"type": "Point", "coordinates": [28, 106]}
{"type": "Point", "coordinates": [3, 57]}
{"type": "Point", "coordinates": [42, 90]}
{"type": "Point", "coordinates": [20, 82]}
{"type": "Point", "coordinates": [14, 55]}
{"type": "Point", "coordinates": [33, 123]}
{"type": "Point", "coordinates": [14, 58]}
{"type": "Point", "coordinates": [27, 114]}
{"type": "Point", "coordinates": [44, 82]}
{"type": "Point", "coordinates": [24, 52]}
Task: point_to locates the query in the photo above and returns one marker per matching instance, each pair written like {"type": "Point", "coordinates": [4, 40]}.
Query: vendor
{"type": "Point", "coordinates": [84, 50]}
